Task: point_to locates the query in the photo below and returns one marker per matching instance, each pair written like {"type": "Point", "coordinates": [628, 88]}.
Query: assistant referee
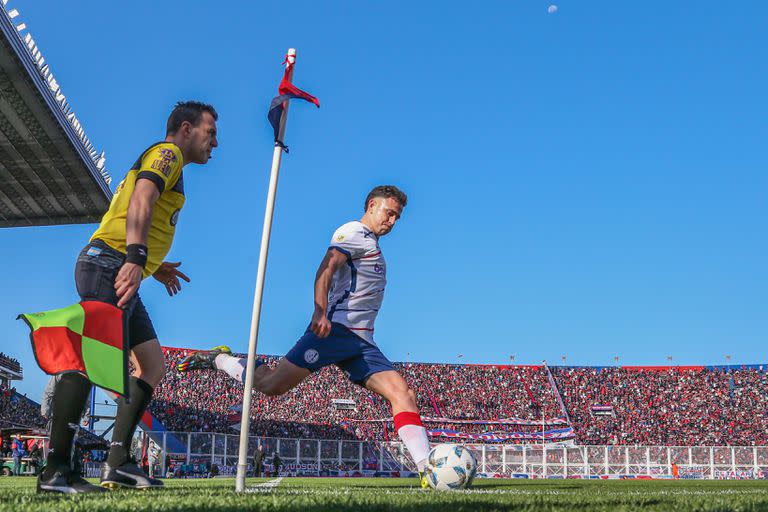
{"type": "Point", "coordinates": [130, 245]}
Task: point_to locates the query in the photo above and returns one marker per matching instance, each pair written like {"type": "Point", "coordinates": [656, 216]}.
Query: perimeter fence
{"type": "Point", "coordinates": [195, 453]}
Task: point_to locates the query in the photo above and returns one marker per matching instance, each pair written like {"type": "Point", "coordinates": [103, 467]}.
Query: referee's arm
{"type": "Point", "coordinates": [137, 222]}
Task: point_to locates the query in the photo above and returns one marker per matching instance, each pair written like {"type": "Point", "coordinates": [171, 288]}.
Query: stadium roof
{"type": "Point", "coordinates": [50, 173]}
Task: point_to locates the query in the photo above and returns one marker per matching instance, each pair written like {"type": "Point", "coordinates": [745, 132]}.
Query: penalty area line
{"type": "Point", "coordinates": [266, 486]}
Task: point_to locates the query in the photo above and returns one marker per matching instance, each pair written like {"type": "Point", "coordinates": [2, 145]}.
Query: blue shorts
{"type": "Point", "coordinates": [355, 356]}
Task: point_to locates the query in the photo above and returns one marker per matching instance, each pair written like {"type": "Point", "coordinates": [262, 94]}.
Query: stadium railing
{"type": "Point", "coordinates": [334, 457]}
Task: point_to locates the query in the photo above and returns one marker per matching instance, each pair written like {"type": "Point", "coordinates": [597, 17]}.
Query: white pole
{"type": "Point", "coordinates": [245, 422]}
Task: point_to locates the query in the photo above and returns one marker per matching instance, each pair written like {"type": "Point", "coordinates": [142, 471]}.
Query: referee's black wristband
{"type": "Point", "coordinates": [136, 253]}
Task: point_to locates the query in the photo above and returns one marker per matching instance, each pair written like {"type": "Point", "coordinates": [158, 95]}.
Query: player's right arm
{"type": "Point", "coordinates": [333, 259]}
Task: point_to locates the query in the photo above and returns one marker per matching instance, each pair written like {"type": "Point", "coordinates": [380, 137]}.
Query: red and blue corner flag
{"type": "Point", "coordinates": [286, 91]}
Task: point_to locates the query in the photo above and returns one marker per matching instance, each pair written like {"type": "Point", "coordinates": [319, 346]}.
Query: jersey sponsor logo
{"type": "Point", "coordinates": [163, 164]}
{"type": "Point", "coordinates": [175, 217]}
{"type": "Point", "coordinates": [311, 356]}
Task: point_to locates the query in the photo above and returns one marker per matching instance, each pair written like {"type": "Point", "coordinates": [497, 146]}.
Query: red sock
{"type": "Point", "coordinates": [413, 434]}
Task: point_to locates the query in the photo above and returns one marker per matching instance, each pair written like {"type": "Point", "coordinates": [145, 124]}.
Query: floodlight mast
{"type": "Point", "coordinates": [245, 422]}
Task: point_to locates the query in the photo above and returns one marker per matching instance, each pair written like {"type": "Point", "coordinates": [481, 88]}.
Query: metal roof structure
{"type": "Point", "coordinates": [50, 172]}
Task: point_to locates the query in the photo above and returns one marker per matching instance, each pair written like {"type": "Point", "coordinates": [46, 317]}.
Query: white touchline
{"type": "Point", "coordinates": [266, 486]}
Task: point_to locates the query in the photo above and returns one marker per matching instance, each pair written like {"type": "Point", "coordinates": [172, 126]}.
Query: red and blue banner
{"type": "Point", "coordinates": [561, 433]}
{"type": "Point", "coordinates": [550, 422]}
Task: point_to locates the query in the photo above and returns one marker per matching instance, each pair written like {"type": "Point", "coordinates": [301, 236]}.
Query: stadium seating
{"type": "Point", "coordinates": [10, 363]}
{"type": "Point", "coordinates": [673, 406]}
{"type": "Point", "coordinates": [17, 411]}
{"type": "Point", "coordinates": [652, 405]}
{"type": "Point", "coordinates": [679, 406]}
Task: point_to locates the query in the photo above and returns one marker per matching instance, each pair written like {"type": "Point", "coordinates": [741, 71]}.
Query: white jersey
{"type": "Point", "coordinates": [357, 289]}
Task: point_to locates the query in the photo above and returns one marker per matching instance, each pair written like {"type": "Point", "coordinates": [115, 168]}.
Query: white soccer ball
{"type": "Point", "coordinates": [450, 466]}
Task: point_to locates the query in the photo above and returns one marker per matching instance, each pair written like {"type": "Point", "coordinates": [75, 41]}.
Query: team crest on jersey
{"type": "Point", "coordinates": [378, 268]}
{"type": "Point", "coordinates": [311, 356]}
{"type": "Point", "coordinates": [340, 238]}
{"type": "Point", "coordinates": [163, 164]}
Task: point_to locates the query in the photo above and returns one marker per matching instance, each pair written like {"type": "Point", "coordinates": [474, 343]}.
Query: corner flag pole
{"type": "Point", "coordinates": [245, 422]}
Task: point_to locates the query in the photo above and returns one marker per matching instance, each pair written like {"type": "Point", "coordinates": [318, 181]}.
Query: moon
{"type": "Point", "coordinates": [552, 9]}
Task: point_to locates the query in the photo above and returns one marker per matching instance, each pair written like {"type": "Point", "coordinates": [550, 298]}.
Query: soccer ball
{"type": "Point", "coordinates": [450, 466]}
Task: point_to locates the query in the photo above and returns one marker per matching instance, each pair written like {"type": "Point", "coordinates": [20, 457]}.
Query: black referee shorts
{"type": "Point", "coordinates": [95, 272]}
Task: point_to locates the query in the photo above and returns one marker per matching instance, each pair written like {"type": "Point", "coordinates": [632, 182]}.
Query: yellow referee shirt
{"type": "Point", "coordinates": [162, 164]}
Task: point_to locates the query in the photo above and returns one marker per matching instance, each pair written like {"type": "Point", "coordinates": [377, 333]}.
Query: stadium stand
{"type": "Point", "coordinates": [672, 406]}
{"type": "Point", "coordinates": [206, 401]}
{"type": "Point", "coordinates": [679, 406]}
{"type": "Point", "coordinates": [612, 405]}
{"type": "Point", "coordinates": [51, 171]}
{"type": "Point", "coordinates": [9, 363]}
{"type": "Point", "coordinates": [17, 410]}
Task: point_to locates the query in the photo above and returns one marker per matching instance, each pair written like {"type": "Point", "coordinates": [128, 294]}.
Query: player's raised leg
{"type": "Point", "coordinates": [270, 381]}
{"type": "Point", "coordinates": [281, 379]}
{"type": "Point", "coordinates": [405, 413]}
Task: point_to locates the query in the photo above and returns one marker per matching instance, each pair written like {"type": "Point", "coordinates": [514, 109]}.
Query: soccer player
{"type": "Point", "coordinates": [349, 289]}
{"type": "Point", "coordinates": [129, 245]}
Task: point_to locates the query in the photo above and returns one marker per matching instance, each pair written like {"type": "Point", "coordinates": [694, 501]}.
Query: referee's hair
{"type": "Point", "coordinates": [386, 191]}
{"type": "Point", "coordinates": [190, 111]}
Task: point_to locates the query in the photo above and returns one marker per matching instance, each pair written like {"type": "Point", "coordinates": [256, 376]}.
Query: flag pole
{"type": "Point", "coordinates": [245, 422]}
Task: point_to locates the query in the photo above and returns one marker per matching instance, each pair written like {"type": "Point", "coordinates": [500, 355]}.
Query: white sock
{"type": "Point", "coordinates": [232, 366]}
{"type": "Point", "coordinates": [414, 436]}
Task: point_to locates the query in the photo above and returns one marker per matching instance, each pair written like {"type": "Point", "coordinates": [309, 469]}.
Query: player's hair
{"type": "Point", "coordinates": [386, 191]}
{"type": "Point", "coordinates": [191, 111]}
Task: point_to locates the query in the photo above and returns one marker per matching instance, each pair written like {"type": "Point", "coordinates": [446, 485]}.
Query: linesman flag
{"type": "Point", "coordinates": [89, 337]}
{"type": "Point", "coordinates": [286, 91]}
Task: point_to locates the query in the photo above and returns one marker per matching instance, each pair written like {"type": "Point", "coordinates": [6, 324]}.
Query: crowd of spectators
{"type": "Point", "coordinates": [674, 406]}
{"type": "Point", "coordinates": [208, 401]}
{"type": "Point", "coordinates": [10, 362]}
{"type": "Point", "coordinates": [667, 406]}
{"type": "Point", "coordinates": [17, 411]}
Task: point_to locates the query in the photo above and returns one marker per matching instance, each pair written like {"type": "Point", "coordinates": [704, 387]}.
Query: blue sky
{"type": "Point", "coordinates": [588, 183]}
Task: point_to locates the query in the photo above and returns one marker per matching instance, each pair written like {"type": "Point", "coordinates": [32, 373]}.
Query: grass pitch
{"type": "Point", "coordinates": [373, 494]}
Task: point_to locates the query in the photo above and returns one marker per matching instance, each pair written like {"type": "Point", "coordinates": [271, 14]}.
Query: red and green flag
{"type": "Point", "coordinates": [88, 337]}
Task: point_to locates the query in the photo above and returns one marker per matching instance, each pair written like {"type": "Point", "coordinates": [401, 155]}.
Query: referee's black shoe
{"type": "Point", "coordinates": [65, 481]}
{"type": "Point", "coordinates": [127, 475]}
